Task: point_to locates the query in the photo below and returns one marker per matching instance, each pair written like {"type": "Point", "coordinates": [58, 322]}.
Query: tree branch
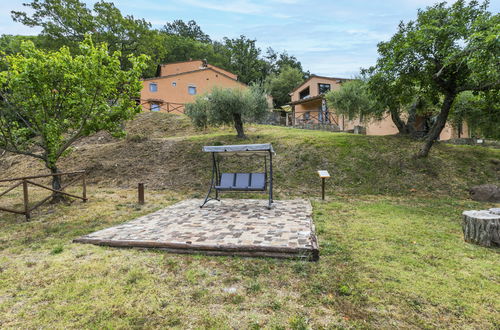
{"type": "Point", "coordinates": [479, 88]}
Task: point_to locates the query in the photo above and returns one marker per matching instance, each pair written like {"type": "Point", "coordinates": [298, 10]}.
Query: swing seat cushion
{"type": "Point", "coordinates": [242, 182]}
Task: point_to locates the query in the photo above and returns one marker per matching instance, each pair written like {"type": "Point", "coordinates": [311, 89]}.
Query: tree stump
{"type": "Point", "coordinates": [482, 227]}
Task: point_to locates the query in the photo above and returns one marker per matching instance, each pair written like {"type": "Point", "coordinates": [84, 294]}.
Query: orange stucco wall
{"type": "Point", "coordinates": [312, 83]}
{"type": "Point", "coordinates": [204, 81]}
{"type": "Point", "coordinates": [386, 127]}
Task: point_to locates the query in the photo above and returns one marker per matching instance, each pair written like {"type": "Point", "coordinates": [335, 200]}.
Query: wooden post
{"type": "Point", "coordinates": [323, 188]}
{"type": "Point", "coordinates": [140, 192]}
{"type": "Point", "coordinates": [323, 175]}
{"type": "Point", "coordinates": [84, 188]}
{"type": "Point", "coordinates": [26, 200]}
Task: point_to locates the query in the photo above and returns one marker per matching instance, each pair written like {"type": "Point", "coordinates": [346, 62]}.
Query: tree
{"type": "Point", "coordinates": [190, 30]}
{"type": "Point", "coordinates": [48, 100]}
{"type": "Point", "coordinates": [278, 61]}
{"type": "Point", "coordinates": [244, 59]}
{"type": "Point", "coordinates": [446, 51]}
{"type": "Point", "coordinates": [66, 22]}
{"type": "Point", "coordinates": [281, 84]}
{"type": "Point", "coordinates": [481, 111]}
{"type": "Point", "coordinates": [11, 44]}
{"type": "Point", "coordinates": [229, 106]}
{"type": "Point", "coordinates": [354, 100]}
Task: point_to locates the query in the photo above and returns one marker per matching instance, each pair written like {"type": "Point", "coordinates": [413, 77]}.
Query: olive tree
{"type": "Point", "coordinates": [447, 50]}
{"type": "Point", "coordinates": [354, 100]}
{"type": "Point", "coordinates": [229, 106]}
{"type": "Point", "coordinates": [49, 100]}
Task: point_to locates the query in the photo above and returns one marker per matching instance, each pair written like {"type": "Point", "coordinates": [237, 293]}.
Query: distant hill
{"type": "Point", "coordinates": [164, 151]}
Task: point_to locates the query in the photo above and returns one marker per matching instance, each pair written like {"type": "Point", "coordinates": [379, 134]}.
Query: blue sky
{"type": "Point", "coordinates": [333, 38]}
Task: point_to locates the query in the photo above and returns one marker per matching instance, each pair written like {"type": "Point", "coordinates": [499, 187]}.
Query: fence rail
{"type": "Point", "coordinates": [27, 180]}
{"type": "Point", "coordinates": [163, 106]}
{"type": "Point", "coordinates": [315, 117]}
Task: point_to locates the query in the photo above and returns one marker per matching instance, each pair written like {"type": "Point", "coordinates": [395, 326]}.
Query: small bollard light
{"type": "Point", "coordinates": [323, 174]}
{"type": "Point", "coordinates": [140, 193]}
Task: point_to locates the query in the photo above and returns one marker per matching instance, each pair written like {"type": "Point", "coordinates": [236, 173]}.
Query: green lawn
{"type": "Point", "coordinates": [386, 262]}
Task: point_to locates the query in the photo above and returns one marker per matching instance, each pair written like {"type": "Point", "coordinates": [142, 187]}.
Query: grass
{"type": "Point", "coordinates": [386, 261]}
{"type": "Point", "coordinates": [170, 158]}
{"type": "Point", "coordinates": [392, 251]}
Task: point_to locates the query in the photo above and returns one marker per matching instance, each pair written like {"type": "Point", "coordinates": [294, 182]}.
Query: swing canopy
{"type": "Point", "coordinates": [241, 149]}
{"type": "Point", "coordinates": [255, 181]}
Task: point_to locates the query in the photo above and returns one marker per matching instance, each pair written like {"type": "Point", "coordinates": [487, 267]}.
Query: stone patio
{"type": "Point", "coordinates": [243, 227]}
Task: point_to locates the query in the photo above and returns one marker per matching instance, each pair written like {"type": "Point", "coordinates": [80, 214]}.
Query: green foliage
{"type": "Point", "coordinates": [189, 30]}
{"type": "Point", "coordinates": [244, 59]}
{"type": "Point", "coordinates": [51, 99]}
{"type": "Point", "coordinates": [228, 106]}
{"type": "Point", "coordinates": [354, 100]}
{"type": "Point", "coordinates": [279, 85]}
{"type": "Point", "coordinates": [11, 44]}
{"type": "Point", "coordinates": [65, 23]}
{"type": "Point", "coordinates": [480, 111]}
{"type": "Point", "coordinates": [445, 51]}
{"type": "Point", "coordinates": [279, 61]}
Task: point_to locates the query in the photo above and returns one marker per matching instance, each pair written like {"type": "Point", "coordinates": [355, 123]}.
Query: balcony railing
{"type": "Point", "coordinates": [315, 117]}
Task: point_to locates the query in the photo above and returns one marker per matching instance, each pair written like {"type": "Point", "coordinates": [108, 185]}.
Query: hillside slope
{"type": "Point", "coordinates": [164, 151]}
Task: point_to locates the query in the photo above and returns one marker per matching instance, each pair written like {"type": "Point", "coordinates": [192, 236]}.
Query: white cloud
{"type": "Point", "coordinates": [238, 6]}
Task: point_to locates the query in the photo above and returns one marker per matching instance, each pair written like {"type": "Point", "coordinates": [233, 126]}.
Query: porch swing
{"type": "Point", "coordinates": [243, 182]}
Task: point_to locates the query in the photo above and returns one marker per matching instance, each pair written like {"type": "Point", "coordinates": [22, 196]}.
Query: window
{"type": "Point", "coordinates": [174, 83]}
{"type": "Point", "coordinates": [304, 93]}
{"type": "Point", "coordinates": [192, 90]}
{"type": "Point", "coordinates": [155, 107]}
{"type": "Point", "coordinates": [153, 87]}
{"type": "Point", "coordinates": [307, 115]}
{"type": "Point", "coordinates": [323, 88]}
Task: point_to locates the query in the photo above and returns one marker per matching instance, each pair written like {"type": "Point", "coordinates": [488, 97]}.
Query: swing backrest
{"type": "Point", "coordinates": [242, 182]}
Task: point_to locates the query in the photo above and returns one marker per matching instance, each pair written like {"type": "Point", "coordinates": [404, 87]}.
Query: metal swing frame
{"type": "Point", "coordinates": [241, 182]}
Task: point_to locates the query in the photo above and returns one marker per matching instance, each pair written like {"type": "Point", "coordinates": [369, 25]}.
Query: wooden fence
{"type": "Point", "coordinates": [27, 180]}
{"type": "Point", "coordinates": [315, 117]}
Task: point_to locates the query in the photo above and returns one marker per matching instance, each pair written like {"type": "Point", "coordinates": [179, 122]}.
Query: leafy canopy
{"type": "Point", "coordinates": [447, 50]}
{"type": "Point", "coordinates": [229, 106]}
{"type": "Point", "coordinates": [48, 100]}
{"type": "Point", "coordinates": [66, 22]}
{"type": "Point", "coordinates": [279, 85]}
{"type": "Point", "coordinates": [354, 100]}
{"type": "Point", "coordinates": [189, 30]}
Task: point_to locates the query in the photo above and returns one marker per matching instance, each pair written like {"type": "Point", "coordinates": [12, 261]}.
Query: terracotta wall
{"type": "Point", "coordinates": [175, 89]}
{"type": "Point", "coordinates": [450, 132]}
{"type": "Point", "coordinates": [386, 127]}
{"type": "Point", "coordinates": [313, 86]}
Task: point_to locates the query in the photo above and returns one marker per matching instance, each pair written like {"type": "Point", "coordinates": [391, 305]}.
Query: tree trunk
{"type": "Point", "coordinates": [438, 125]}
{"type": "Point", "coordinates": [398, 122]}
{"type": "Point", "coordinates": [238, 124]}
{"type": "Point", "coordinates": [412, 117]}
{"type": "Point", "coordinates": [407, 128]}
{"type": "Point", "coordinates": [481, 227]}
{"type": "Point", "coordinates": [56, 184]}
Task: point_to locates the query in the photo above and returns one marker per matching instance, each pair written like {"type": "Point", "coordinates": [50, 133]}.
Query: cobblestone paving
{"type": "Point", "coordinates": [232, 223]}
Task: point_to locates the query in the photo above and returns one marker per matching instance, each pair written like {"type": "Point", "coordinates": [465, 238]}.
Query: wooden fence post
{"type": "Point", "coordinates": [140, 192]}
{"type": "Point", "coordinates": [323, 188]}
{"type": "Point", "coordinates": [84, 188]}
{"type": "Point", "coordinates": [26, 200]}
{"type": "Point", "coordinates": [323, 174]}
